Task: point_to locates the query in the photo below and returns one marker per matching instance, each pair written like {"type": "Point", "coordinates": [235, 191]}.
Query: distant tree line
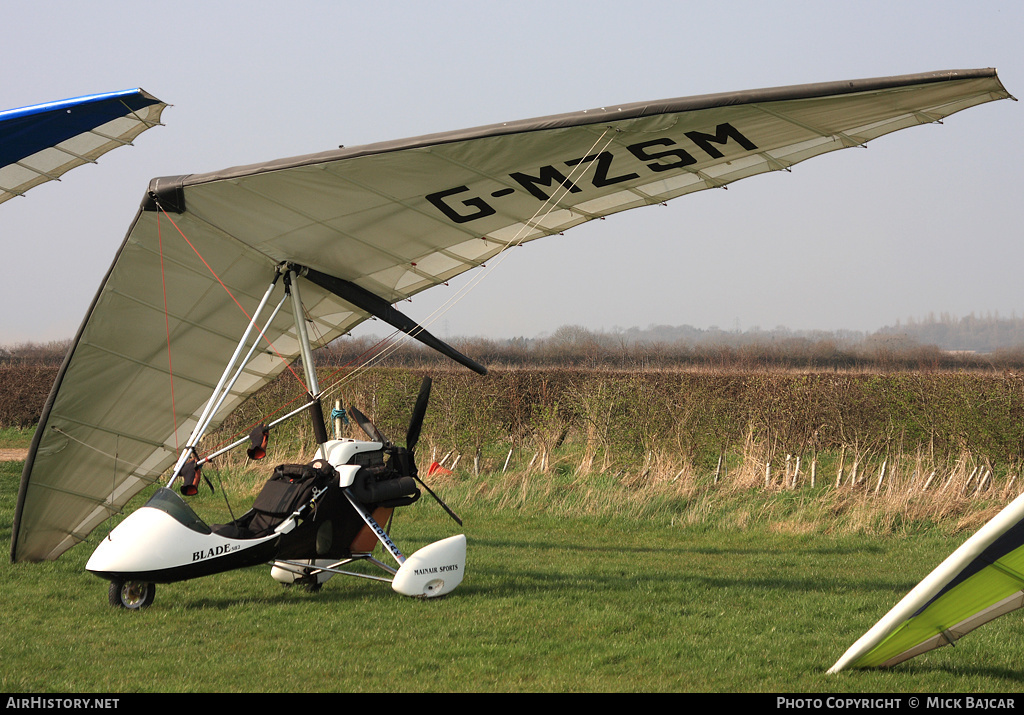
{"type": "Point", "coordinates": [984, 334]}
{"type": "Point", "coordinates": [28, 353]}
{"type": "Point", "coordinates": [661, 347]}
{"type": "Point", "coordinates": [935, 342]}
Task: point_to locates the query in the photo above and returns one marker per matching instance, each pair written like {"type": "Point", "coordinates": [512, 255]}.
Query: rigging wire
{"type": "Point", "coordinates": [517, 240]}
{"type": "Point", "coordinates": [397, 338]}
{"type": "Point", "coordinates": [231, 295]}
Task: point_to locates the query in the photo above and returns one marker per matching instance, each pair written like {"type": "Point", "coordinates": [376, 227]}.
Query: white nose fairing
{"type": "Point", "coordinates": [165, 541]}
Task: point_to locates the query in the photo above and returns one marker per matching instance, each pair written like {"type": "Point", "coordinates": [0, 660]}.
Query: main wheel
{"type": "Point", "coordinates": [132, 595]}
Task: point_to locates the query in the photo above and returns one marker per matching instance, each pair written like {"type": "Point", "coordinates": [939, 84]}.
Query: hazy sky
{"type": "Point", "coordinates": [925, 220]}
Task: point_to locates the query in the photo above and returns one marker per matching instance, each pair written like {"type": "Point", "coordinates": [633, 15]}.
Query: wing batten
{"type": "Point", "coordinates": [121, 434]}
{"type": "Point", "coordinates": [389, 220]}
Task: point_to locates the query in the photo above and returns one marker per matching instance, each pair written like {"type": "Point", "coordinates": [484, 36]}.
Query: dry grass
{"type": "Point", "coordinates": [855, 491]}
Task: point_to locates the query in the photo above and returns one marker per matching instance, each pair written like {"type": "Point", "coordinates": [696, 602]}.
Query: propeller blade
{"type": "Point", "coordinates": [418, 412]}
{"type": "Point", "coordinates": [368, 427]}
{"type": "Point", "coordinates": [444, 506]}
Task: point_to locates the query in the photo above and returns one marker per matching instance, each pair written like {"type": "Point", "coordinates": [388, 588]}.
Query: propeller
{"type": "Point", "coordinates": [368, 427]}
{"type": "Point", "coordinates": [412, 436]}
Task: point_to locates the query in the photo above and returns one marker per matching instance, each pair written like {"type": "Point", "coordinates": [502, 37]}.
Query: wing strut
{"type": "Point", "coordinates": [316, 409]}
{"type": "Point", "coordinates": [226, 382]}
{"type": "Point", "coordinates": [380, 308]}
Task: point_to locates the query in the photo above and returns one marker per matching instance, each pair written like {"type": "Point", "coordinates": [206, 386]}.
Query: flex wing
{"type": "Point", "coordinates": [373, 226]}
{"type": "Point", "coordinates": [42, 142]}
{"type": "Point", "coordinates": [980, 581]}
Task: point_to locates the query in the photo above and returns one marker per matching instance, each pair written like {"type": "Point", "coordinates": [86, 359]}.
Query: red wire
{"type": "Point", "coordinates": [167, 325]}
{"type": "Point", "coordinates": [262, 334]}
{"type": "Point", "coordinates": [228, 291]}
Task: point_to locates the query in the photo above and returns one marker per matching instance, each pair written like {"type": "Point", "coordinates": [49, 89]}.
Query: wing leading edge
{"type": "Point", "coordinates": [390, 220]}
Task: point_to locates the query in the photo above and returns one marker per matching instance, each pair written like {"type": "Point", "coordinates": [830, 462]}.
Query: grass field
{"type": "Point", "coordinates": [550, 603]}
{"type": "Point", "coordinates": [665, 532]}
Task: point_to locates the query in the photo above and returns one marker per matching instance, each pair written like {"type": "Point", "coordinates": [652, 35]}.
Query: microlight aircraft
{"type": "Point", "coordinates": [178, 334]}
{"type": "Point", "coordinates": [42, 142]}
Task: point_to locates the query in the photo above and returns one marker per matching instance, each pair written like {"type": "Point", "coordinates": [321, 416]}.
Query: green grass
{"type": "Point", "coordinates": [550, 604]}
{"type": "Point", "coordinates": [16, 437]}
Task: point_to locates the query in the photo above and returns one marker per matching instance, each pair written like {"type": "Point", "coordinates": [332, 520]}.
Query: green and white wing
{"type": "Point", "coordinates": [980, 581]}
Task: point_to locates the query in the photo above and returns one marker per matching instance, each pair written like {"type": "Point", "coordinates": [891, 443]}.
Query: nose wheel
{"type": "Point", "coordinates": [133, 595]}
